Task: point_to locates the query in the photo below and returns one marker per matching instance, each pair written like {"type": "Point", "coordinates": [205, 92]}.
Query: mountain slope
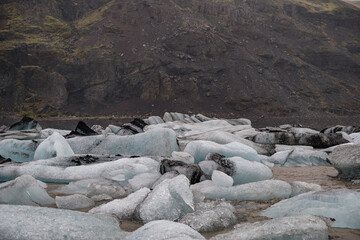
{"type": "Point", "coordinates": [259, 57]}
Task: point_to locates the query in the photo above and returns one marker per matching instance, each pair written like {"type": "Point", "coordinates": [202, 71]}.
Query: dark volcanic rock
{"type": "Point", "coordinates": [257, 58]}
{"type": "Point", "coordinates": [191, 171]}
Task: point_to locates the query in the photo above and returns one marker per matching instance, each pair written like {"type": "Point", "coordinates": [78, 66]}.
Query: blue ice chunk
{"type": "Point", "coordinates": [341, 204]}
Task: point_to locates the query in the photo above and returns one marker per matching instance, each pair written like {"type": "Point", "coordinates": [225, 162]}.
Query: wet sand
{"type": "Point", "coordinates": [248, 211]}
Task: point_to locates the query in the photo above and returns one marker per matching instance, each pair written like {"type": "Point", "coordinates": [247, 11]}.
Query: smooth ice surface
{"type": "Point", "coordinates": [165, 230]}
{"type": "Point", "coordinates": [299, 157]}
{"type": "Point", "coordinates": [123, 208]}
{"type": "Point", "coordinates": [241, 170]}
{"type": "Point", "coordinates": [183, 156]}
{"type": "Point", "coordinates": [346, 159]}
{"type": "Point", "coordinates": [156, 142]}
{"type": "Point", "coordinates": [143, 180]}
{"type": "Point", "coordinates": [262, 190]}
{"type": "Point", "coordinates": [199, 149]}
{"type": "Point", "coordinates": [24, 190]}
{"type": "Point", "coordinates": [169, 200]}
{"type": "Point", "coordinates": [289, 228]}
{"type": "Point", "coordinates": [126, 167]}
{"type": "Point", "coordinates": [303, 187]}
{"type": "Point", "coordinates": [222, 137]}
{"type": "Point", "coordinates": [341, 204]}
{"type": "Point", "coordinates": [18, 150]}
{"type": "Point", "coordinates": [27, 222]}
{"type": "Point", "coordinates": [53, 146]}
{"type": "Point", "coordinates": [249, 171]}
{"type": "Point", "coordinates": [75, 201]}
{"type": "Point", "coordinates": [167, 175]}
{"type": "Point", "coordinates": [211, 216]}
{"type": "Point", "coordinates": [221, 179]}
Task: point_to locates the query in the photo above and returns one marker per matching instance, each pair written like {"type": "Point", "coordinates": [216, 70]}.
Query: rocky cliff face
{"type": "Point", "coordinates": [258, 57]}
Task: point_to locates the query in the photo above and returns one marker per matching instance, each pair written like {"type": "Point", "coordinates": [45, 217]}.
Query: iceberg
{"type": "Point", "coordinates": [24, 190]}
{"type": "Point", "coordinates": [222, 137]}
{"type": "Point", "coordinates": [18, 150]}
{"type": "Point", "coordinates": [28, 222]}
{"type": "Point", "coordinates": [84, 145]}
{"type": "Point", "coordinates": [346, 160]}
{"type": "Point", "coordinates": [341, 204]}
{"type": "Point", "coordinates": [183, 157]}
{"type": "Point", "coordinates": [170, 200]}
{"type": "Point", "coordinates": [199, 149]}
{"type": "Point", "coordinates": [288, 228]}
{"type": "Point", "coordinates": [126, 167]}
{"type": "Point", "coordinates": [45, 133]}
{"type": "Point", "coordinates": [156, 142]}
{"type": "Point", "coordinates": [241, 170]}
{"type": "Point", "coordinates": [75, 201]}
{"type": "Point", "coordinates": [26, 123]}
{"type": "Point", "coordinates": [211, 217]}
{"type": "Point", "coordinates": [262, 190]}
{"type": "Point", "coordinates": [165, 230]}
{"type": "Point", "coordinates": [167, 175]}
{"type": "Point", "coordinates": [299, 157]}
{"type": "Point", "coordinates": [53, 146]}
{"type": "Point", "coordinates": [221, 179]}
{"type": "Point", "coordinates": [123, 208]}
{"type": "Point", "coordinates": [143, 180]}
{"type": "Point", "coordinates": [191, 171]}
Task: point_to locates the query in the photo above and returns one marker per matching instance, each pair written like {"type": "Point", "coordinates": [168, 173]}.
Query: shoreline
{"type": "Point", "coordinates": [70, 122]}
